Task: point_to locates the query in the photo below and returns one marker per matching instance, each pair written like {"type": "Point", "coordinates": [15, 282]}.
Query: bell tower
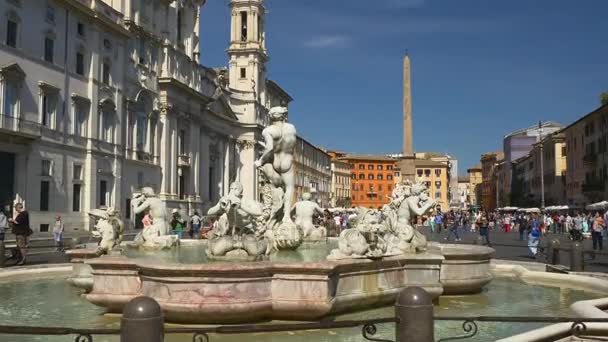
{"type": "Point", "coordinates": [247, 50]}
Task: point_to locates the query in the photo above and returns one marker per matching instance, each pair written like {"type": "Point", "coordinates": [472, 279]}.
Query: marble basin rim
{"type": "Point", "coordinates": [220, 293]}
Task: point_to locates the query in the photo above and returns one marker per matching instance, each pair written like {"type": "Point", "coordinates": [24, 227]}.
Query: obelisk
{"type": "Point", "coordinates": [408, 148]}
{"type": "Point", "coordinates": [408, 163]}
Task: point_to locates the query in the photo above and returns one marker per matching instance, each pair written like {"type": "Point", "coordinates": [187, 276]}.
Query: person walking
{"type": "Point", "coordinates": [438, 222]}
{"type": "Point", "coordinates": [21, 229]}
{"type": "Point", "coordinates": [484, 230]}
{"type": "Point", "coordinates": [3, 224]}
{"type": "Point", "coordinates": [534, 236]}
{"type": "Point", "coordinates": [432, 223]}
{"type": "Point", "coordinates": [597, 232]}
{"type": "Point", "coordinates": [452, 223]}
{"type": "Point", "coordinates": [58, 233]}
{"type": "Point", "coordinates": [196, 225]}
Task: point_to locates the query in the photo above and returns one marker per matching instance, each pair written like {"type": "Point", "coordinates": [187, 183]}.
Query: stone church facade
{"type": "Point", "coordinates": [100, 98]}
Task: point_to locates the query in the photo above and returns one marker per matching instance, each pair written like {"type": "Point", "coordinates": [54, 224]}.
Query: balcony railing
{"type": "Point", "coordinates": [180, 67]}
{"type": "Point", "coordinates": [21, 126]}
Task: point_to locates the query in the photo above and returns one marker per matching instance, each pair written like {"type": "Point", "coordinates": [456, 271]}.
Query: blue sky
{"type": "Point", "coordinates": [480, 68]}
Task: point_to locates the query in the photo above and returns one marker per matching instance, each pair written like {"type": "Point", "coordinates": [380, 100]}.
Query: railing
{"type": "Point", "coordinates": [20, 125]}
{"type": "Point", "coordinates": [178, 66]}
{"type": "Point", "coordinates": [149, 330]}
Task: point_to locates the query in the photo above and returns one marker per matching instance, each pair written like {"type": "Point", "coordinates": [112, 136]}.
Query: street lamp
{"type": "Point", "coordinates": [542, 167]}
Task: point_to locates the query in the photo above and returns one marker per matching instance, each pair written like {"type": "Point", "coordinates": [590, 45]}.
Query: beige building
{"type": "Point", "coordinates": [312, 166]}
{"type": "Point", "coordinates": [464, 192]}
{"type": "Point", "coordinates": [102, 97]}
{"type": "Point", "coordinates": [475, 180]}
{"type": "Point", "coordinates": [527, 172]}
{"type": "Point", "coordinates": [587, 163]}
{"type": "Point", "coordinates": [435, 175]}
{"type": "Point", "coordinates": [340, 184]}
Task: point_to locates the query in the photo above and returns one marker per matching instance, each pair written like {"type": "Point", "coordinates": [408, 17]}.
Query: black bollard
{"type": "Point", "coordinates": [414, 313]}
{"type": "Point", "coordinates": [2, 254]}
{"type": "Point", "coordinates": [142, 320]}
{"type": "Point", "coordinates": [553, 254]}
{"type": "Point", "coordinates": [577, 261]}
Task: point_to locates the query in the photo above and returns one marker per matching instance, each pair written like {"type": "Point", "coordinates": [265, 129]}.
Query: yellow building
{"type": "Point", "coordinates": [436, 177]}
{"type": "Point", "coordinates": [475, 180]}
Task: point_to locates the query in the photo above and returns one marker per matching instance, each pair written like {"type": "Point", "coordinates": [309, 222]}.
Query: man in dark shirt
{"type": "Point", "coordinates": [21, 229]}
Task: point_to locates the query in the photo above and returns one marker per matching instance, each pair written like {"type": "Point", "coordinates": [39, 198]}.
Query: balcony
{"type": "Point", "coordinates": [183, 160]}
{"type": "Point", "coordinates": [178, 67]}
{"type": "Point", "coordinates": [25, 129]}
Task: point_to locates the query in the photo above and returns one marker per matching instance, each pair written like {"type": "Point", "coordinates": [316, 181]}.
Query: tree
{"type": "Point", "coordinates": [604, 98]}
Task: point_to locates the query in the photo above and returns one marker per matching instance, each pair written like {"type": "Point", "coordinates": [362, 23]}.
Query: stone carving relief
{"type": "Point", "coordinates": [389, 231]}
{"type": "Point", "coordinates": [157, 234]}
{"type": "Point", "coordinates": [109, 228]}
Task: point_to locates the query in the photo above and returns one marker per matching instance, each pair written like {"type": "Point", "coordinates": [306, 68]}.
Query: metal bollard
{"type": "Point", "coordinates": [553, 254]}
{"type": "Point", "coordinates": [577, 262]}
{"type": "Point", "coordinates": [414, 313]}
{"type": "Point", "coordinates": [142, 320]}
{"type": "Point", "coordinates": [2, 254]}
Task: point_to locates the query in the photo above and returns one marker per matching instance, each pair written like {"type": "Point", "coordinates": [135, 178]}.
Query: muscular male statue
{"type": "Point", "coordinates": [305, 210]}
{"type": "Point", "coordinates": [277, 159]}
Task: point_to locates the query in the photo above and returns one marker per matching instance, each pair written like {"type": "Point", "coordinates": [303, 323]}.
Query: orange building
{"type": "Point", "coordinates": [372, 179]}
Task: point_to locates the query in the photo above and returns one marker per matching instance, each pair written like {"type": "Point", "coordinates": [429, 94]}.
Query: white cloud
{"type": "Point", "coordinates": [328, 41]}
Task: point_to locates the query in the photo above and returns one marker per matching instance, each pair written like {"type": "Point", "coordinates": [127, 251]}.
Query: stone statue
{"type": "Point", "coordinates": [407, 208]}
{"type": "Point", "coordinates": [157, 235]}
{"type": "Point", "coordinates": [236, 235]}
{"type": "Point", "coordinates": [387, 232]}
{"type": "Point", "coordinates": [305, 210]}
{"type": "Point", "coordinates": [109, 228]}
{"type": "Point", "coordinates": [276, 164]}
{"type": "Point", "coordinates": [365, 240]}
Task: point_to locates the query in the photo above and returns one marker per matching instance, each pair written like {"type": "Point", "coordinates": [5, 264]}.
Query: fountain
{"type": "Point", "coordinates": [367, 267]}
{"type": "Point", "coordinates": [255, 266]}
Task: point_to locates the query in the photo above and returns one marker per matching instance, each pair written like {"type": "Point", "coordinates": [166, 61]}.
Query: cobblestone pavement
{"type": "Point", "coordinates": [508, 246]}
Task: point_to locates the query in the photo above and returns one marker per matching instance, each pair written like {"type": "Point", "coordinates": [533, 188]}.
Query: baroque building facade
{"type": "Point", "coordinates": [103, 97]}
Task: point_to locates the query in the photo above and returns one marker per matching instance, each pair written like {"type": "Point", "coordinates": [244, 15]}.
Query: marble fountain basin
{"type": "Point", "coordinates": [220, 293]}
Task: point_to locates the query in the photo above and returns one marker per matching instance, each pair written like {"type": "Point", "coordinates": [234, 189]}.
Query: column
{"type": "Point", "coordinates": [248, 173]}
{"type": "Point", "coordinates": [226, 165]}
{"type": "Point", "coordinates": [204, 167]}
{"type": "Point", "coordinates": [234, 27]}
{"type": "Point", "coordinates": [165, 153]}
{"type": "Point", "coordinates": [148, 135]}
{"type": "Point", "coordinates": [193, 149]}
{"type": "Point", "coordinates": [174, 156]}
{"type": "Point", "coordinates": [221, 169]}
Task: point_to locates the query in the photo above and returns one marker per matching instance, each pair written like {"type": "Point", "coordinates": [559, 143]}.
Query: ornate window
{"type": "Point", "coordinates": [107, 121]}
{"type": "Point", "coordinates": [80, 113]}
{"type": "Point", "coordinates": [49, 97]}
{"type": "Point", "coordinates": [11, 78]}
